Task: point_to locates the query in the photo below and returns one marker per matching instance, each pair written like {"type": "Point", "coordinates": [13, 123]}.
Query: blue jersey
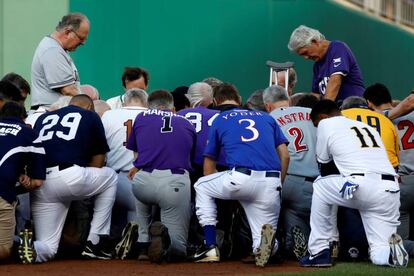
{"type": "Point", "coordinates": [71, 135]}
{"type": "Point", "coordinates": [249, 139]}
{"type": "Point", "coordinates": [17, 150]}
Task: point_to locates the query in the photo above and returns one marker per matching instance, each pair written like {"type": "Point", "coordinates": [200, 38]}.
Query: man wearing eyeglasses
{"type": "Point", "coordinates": [53, 72]}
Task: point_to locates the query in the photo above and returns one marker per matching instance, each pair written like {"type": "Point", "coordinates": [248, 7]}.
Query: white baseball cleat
{"type": "Point", "coordinates": [398, 254]}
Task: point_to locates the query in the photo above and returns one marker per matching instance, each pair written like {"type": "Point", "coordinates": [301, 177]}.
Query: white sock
{"type": "Point", "coordinates": [94, 238]}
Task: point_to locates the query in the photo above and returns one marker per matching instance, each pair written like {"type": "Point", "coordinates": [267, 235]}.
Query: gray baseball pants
{"type": "Point", "coordinates": [171, 192]}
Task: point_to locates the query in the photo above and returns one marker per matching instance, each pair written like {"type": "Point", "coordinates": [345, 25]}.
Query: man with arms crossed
{"type": "Point", "coordinates": [53, 72]}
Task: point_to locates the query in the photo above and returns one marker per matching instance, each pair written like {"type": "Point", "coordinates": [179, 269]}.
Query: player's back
{"type": "Point", "coordinates": [298, 128]}
{"type": "Point", "coordinates": [405, 130]}
{"type": "Point", "coordinates": [201, 118]}
{"type": "Point", "coordinates": [249, 139]}
{"type": "Point", "coordinates": [118, 124]}
{"type": "Point", "coordinates": [71, 135]}
{"type": "Point", "coordinates": [163, 140]}
{"type": "Point", "coordinates": [355, 146]}
{"type": "Point", "coordinates": [384, 127]}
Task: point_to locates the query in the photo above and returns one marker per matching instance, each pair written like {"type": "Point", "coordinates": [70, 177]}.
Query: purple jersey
{"type": "Point", "coordinates": [163, 140]}
{"type": "Point", "coordinates": [201, 118]}
{"type": "Point", "coordinates": [338, 59]}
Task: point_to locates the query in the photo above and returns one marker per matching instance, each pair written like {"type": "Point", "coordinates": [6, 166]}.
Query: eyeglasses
{"type": "Point", "coordinates": [81, 39]}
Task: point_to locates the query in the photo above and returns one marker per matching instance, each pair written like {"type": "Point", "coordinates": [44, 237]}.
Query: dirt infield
{"type": "Point", "coordinates": [123, 268]}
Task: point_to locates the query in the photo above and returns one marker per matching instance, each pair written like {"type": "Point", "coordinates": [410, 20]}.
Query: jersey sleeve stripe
{"type": "Point", "coordinates": [21, 149]}
{"type": "Point", "coordinates": [62, 83]}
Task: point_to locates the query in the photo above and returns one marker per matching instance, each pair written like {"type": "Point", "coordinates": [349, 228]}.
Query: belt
{"type": "Point", "coordinates": [307, 178]}
{"type": "Point", "coordinates": [35, 107]}
{"type": "Point", "coordinates": [383, 176]}
{"type": "Point", "coordinates": [173, 171]}
{"type": "Point", "coordinates": [62, 167]}
{"type": "Point", "coordinates": [249, 172]}
{"type": "Point", "coordinates": [119, 171]}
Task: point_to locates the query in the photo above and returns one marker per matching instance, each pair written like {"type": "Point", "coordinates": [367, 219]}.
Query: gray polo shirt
{"type": "Point", "coordinates": [52, 68]}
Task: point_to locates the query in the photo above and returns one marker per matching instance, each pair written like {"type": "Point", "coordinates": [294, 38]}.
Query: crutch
{"type": "Point", "coordinates": [279, 67]}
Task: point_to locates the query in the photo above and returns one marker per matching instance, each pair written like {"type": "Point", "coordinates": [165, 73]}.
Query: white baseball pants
{"type": "Point", "coordinates": [377, 200]}
{"type": "Point", "coordinates": [257, 194]}
{"type": "Point", "coordinates": [50, 203]}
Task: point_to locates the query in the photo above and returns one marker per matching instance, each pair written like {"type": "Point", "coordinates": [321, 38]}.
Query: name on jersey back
{"type": "Point", "coordinates": [293, 117]}
{"type": "Point", "coordinates": [9, 129]}
{"type": "Point", "coordinates": [241, 113]}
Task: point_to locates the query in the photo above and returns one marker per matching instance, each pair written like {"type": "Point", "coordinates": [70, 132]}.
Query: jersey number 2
{"type": "Point", "coordinates": [405, 139]}
{"type": "Point", "coordinates": [298, 134]}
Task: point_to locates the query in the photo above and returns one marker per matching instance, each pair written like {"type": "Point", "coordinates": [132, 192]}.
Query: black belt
{"type": "Point", "coordinates": [173, 171]}
{"type": "Point", "coordinates": [383, 176]}
{"type": "Point", "coordinates": [35, 107]}
{"type": "Point", "coordinates": [119, 171]}
{"type": "Point", "coordinates": [307, 178]}
{"type": "Point", "coordinates": [62, 167]}
{"type": "Point", "coordinates": [249, 172]}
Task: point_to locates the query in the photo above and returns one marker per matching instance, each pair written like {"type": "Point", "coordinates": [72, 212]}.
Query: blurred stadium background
{"type": "Point", "coordinates": [183, 41]}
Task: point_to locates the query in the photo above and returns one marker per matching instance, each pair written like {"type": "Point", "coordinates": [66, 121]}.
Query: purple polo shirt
{"type": "Point", "coordinates": [338, 59]}
{"type": "Point", "coordinates": [202, 118]}
{"type": "Point", "coordinates": [163, 140]}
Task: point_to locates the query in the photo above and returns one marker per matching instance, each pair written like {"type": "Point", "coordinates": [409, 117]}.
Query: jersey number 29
{"type": "Point", "coordinates": [70, 121]}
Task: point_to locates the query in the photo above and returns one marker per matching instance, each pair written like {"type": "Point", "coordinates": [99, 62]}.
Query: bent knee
{"type": "Point", "coordinates": [5, 251]}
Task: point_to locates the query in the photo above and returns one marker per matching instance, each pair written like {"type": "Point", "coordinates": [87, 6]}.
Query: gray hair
{"type": "Point", "coordinates": [302, 36]}
{"type": "Point", "coordinates": [353, 101]}
{"type": "Point", "coordinates": [161, 99]}
{"type": "Point", "coordinates": [72, 21]}
{"type": "Point", "coordinates": [274, 94]}
{"type": "Point", "coordinates": [255, 101]}
{"type": "Point", "coordinates": [292, 77]}
{"type": "Point", "coordinates": [136, 95]}
{"type": "Point", "coordinates": [199, 91]}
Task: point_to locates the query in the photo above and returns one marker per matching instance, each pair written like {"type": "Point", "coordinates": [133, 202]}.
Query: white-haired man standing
{"type": "Point", "coordinates": [336, 74]}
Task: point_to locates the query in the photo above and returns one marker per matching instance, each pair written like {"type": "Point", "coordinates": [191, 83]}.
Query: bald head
{"type": "Point", "coordinates": [82, 101]}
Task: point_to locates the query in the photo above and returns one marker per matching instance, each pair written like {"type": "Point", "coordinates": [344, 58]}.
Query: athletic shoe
{"type": "Point", "coordinates": [160, 242]}
{"type": "Point", "coordinates": [209, 254]}
{"type": "Point", "coordinates": [322, 259]}
{"type": "Point", "coordinates": [142, 248]}
{"type": "Point", "coordinates": [334, 247]}
{"type": "Point", "coordinates": [300, 245]}
{"type": "Point", "coordinates": [101, 251]}
{"type": "Point", "coordinates": [129, 237]}
{"type": "Point", "coordinates": [27, 253]}
{"type": "Point", "coordinates": [398, 254]}
{"type": "Point", "coordinates": [267, 242]}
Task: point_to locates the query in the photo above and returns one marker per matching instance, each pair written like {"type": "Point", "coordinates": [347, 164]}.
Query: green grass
{"type": "Point", "coordinates": [340, 269]}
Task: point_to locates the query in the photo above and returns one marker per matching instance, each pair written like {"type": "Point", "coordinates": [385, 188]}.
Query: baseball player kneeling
{"type": "Point", "coordinates": [256, 152]}
{"type": "Point", "coordinates": [367, 182]}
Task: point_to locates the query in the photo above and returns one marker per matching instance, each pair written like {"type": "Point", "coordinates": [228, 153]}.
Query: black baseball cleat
{"type": "Point", "coordinates": [322, 259]}
{"type": "Point", "coordinates": [26, 250]}
{"type": "Point", "coordinates": [160, 242]}
{"type": "Point", "coordinates": [398, 254]}
{"type": "Point", "coordinates": [267, 242]}
{"type": "Point", "coordinates": [129, 237]}
{"type": "Point", "coordinates": [205, 254]}
{"type": "Point", "coordinates": [101, 251]}
{"type": "Point", "coordinates": [300, 245]}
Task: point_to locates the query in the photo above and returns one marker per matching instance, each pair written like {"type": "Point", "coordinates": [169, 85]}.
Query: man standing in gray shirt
{"type": "Point", "coordinates": [53, 72]}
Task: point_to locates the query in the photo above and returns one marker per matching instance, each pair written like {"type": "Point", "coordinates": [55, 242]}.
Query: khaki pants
{"type": "Point", "coordinates": [7, 226]}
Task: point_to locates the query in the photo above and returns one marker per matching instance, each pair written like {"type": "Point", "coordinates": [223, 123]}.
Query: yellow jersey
{"type": "Point", "coordinates": [383, 125]}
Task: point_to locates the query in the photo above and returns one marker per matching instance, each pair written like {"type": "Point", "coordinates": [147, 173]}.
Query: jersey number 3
{"type": "Point", "coordinates": [70, 121]}
{"type": "Point", "coordinates": [250, 127]}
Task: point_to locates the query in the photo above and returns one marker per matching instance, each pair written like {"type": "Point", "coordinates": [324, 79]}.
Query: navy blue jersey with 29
{"type": "Point", "coordinates": [17, 150]}
{"type": "Point", "coordinates": [71, 135]}
{"type": "Point", "coordinates": [249, 139]}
